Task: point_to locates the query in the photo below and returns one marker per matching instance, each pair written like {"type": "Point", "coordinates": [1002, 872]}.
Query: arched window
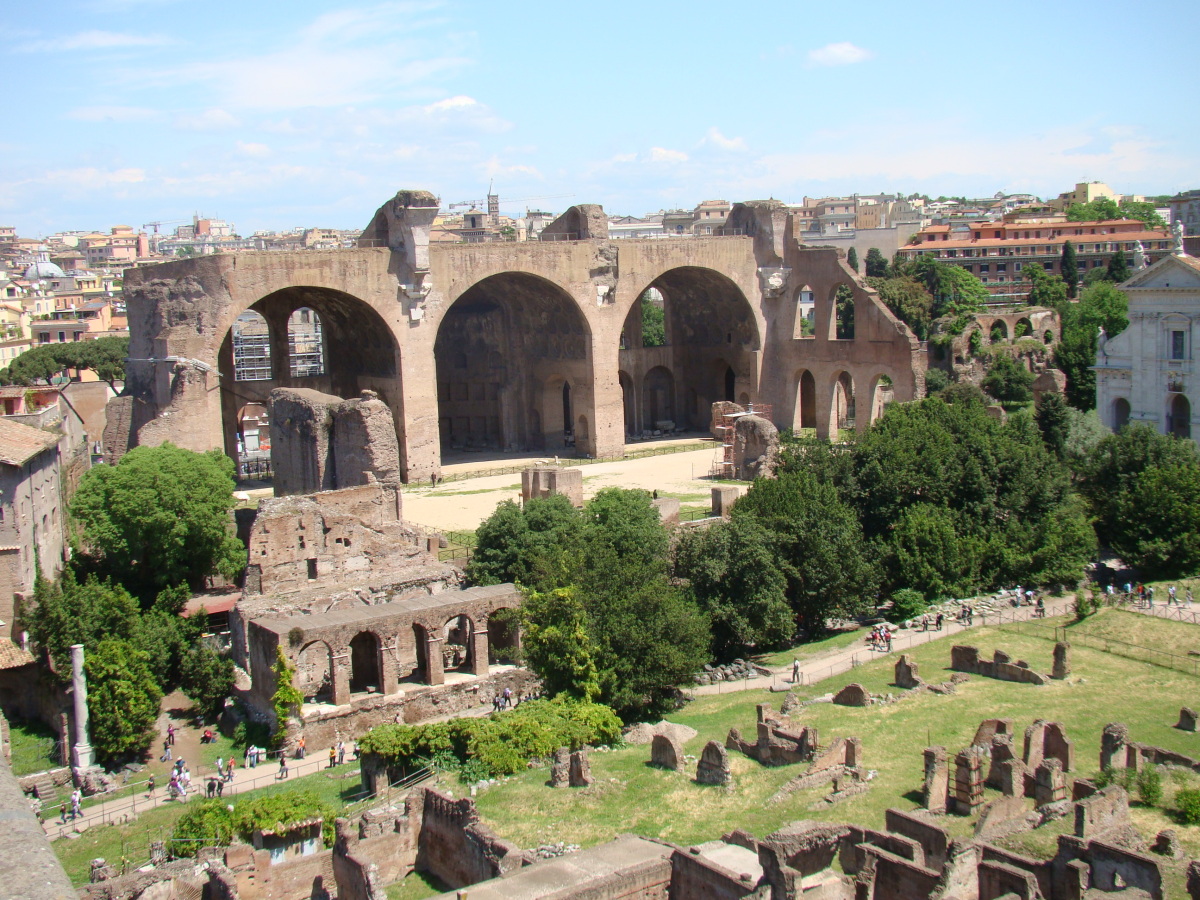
{"type": "Point", "coordinates": [306, 349]}
{"type": "Point", "coordinates": [251, 348]}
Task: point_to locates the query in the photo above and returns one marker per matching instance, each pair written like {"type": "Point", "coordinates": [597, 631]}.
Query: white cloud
{"type": "Point", "coordinates": [210, 120]}
{"type": "Point", "coordinates": [110, 114]}
{"type": "Point", "coordinates": [91, 179]}
{"type": "Point", "coordinates": [717, 139]}
{"type": "Point", "coordinates": [842, 53]}
{"type": "Point", "coordinates": [460, 102]}
{"type": "Point", "coordinates": [663, 155]}
{"type": "Point", "coordinates": [95, 40]}
{"type": "Point", "coordinates": [253, 149]}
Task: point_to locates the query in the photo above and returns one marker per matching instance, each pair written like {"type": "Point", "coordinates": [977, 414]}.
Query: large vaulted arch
{"type": "Point", "coordinates": [513, 370]}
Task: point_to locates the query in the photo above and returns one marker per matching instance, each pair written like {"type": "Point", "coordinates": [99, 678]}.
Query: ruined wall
{"type": "Point", "coordinates": [457, 847]}
{"type": "Point", "coordinates": [1000, 667]}
{"type": "Point", "coordinates": [695, 878]}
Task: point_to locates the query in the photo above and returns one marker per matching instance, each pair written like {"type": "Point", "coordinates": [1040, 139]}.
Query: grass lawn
{"type": "Point", "coordinates": [417, 886]}
{"type": "Point", "coordinates": [133, 839]}
{"type": "Point", "coordinates": [630, 796]}
{"type": "Point", "coordinates": [33, 747]}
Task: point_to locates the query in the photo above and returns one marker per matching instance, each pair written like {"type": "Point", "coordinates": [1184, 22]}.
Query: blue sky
{"type": "Point", "coordinates": [273, 114]}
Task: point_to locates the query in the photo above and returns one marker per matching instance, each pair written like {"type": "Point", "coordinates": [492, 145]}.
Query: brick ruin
{"type": "Point", "coordinates": [376, 628]}
{"type": "Point", "coordinates": [967, 659]}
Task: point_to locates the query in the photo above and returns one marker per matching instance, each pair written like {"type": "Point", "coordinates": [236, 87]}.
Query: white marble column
{"type": "Point", "coordinates": [81, 752]}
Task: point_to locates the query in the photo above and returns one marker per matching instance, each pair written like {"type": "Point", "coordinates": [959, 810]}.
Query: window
{"type": "Point", "coordinates": [984, 268]}
{"type": "Point", "coordinates": [1001, 267]}
{"type": "Point", "coordinates": [1178, 345]}
{"type": "Point", "coordinates": [62, 337]}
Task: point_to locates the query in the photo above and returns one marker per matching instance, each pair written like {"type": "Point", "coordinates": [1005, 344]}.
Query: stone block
{"type": "Point", "coordinates": [968, 781]}
{"type": "Point", "coordinates": [723, 498]}
{"type": "Point", "coordinates": [907, 672]}
{"type": "Point", "coordinates": [1049, 783]}
{"type": "Point", "coordinates": [935, 793]}
{"type": "Point", "coordinates": [668, 510]}
{"type": "Point", "coordinates": [988, 729]}
{"type": "Point", "coordinates": [560, 768]}
{"type": "Point", "coordinates": [1011, 778]}
{"type": "Point", "coordinates": [580, 769]}
{"type": "Point", "coordinates": [666, 752]}
{"type": "Point", "coordinates": [713, 767]}
{"type": "Point", "coordinates": [540, 482]}
{"type": "Point", "coordinates": [755, 448]}
{"type": "Point", "coordinates": [1187, 719]}
{"type": "Point", "coordinates": [1062, 660]}
{"type": "Point", "coordinates": [1114, 742]}
{"type": "Point", "coordinates": [853, 694]}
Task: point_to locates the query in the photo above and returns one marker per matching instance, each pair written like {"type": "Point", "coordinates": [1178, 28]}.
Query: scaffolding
{"type": "Point", "coordinates": [722, 466]}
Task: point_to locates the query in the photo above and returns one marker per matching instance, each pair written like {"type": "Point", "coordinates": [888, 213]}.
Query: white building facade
{"type": "Point", "coordinates": [1148, 372]}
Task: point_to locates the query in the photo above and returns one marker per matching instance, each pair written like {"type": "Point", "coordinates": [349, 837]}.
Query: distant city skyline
{"type": "Point", "coordinates": [278, 115]}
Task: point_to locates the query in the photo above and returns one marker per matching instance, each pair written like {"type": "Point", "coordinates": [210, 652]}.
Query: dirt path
{"type": "Point", "coordinates": [462, 505]}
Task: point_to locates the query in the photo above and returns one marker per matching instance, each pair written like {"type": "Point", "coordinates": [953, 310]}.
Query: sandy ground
{"type": "Point", "coordinates": [462, 505]}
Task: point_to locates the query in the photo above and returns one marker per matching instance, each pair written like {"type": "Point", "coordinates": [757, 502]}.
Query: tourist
{"type": "Point", "coordinates": [795, 670]}
{"type": "Point", "coordinates": [149, 787]}
{"type": "Point", "coordinates": [229, 769]}
{"type": "Point", "coordinates": [283, 770]}
{"type": "Point", "coordinates": [341, 752]}
{"type": "Point", "coordinates": [332, 757]}
{"type": "Point", "coordinates": [211, 788]}
{"type": "Point", "coordinates": [171, 735]}
{"type": "Point", "coordinates": [220, 765]}
{"type": "Point", "coordinates": [887, 636]}
{"type": "Point", "coordinates": [938, 621]}
{"type": "Point", "coordinates": [166, 757]}
{"type": "Point", "coordinates": [251, 756]}
{"type": "Point", "coordinates": [1171, 599]}
{"type": "Point", "coordinates": [496, 702]}
{"type": "Point", "coordinates": [300, 748]}
{"type": "Point", "coordinates": [1150, 597]}
{"type": "Point", "coordinates": [76, 804]}
{"type": "Point", "coordinates": [507, 697]}
{"type": "Point", "coordinates": [1041, 608]}
{"type": "Point", "coordinates": [62, 811]}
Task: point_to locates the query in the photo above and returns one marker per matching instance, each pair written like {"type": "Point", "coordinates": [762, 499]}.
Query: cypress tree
{"type": "Point", "coordinates": [1118, 268]}
{"type": "Point", "coordinates": [852, 259]}
{"type": "Point", "coordinates": [1070, 271]}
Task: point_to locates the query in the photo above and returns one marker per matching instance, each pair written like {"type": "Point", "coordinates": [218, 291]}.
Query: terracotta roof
{"type": "Point", "coordinates": [1190, 261]}
{"type": "Point", "coordinates": [1118, 237]}
{"type": "Point", "coordinates": [12, 656]}
{"type": "Point", "coordinates": [20, 443]}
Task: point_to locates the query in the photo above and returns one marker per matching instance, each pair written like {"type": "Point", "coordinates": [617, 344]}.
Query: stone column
{"type": "Point", "coordinates": [479, 652]}
{"type": "Point", "coordinates": [340, 665]}
{"type": "Point", "coordinates": [435, 670]}
{"type": "Point", "coordinates": [81, 752]}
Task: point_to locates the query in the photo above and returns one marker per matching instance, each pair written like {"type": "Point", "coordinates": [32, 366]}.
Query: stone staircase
{"type": "Point", "coordinates": [46, 791]}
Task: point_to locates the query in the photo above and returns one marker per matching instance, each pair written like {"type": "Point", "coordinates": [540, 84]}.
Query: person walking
{"type": "Point", "coordinates": [76, 804]}
{"type": "Point", "coordinates": [332, 757]}
{"type": "Point", "coordinates": [166, 757]}
{"type": "Point", "coordinates": [341, 752]}
{"type": "Point", "coordinates": [300, 748]}
{"type": "Point", "coordinates": [283, 770]}
{"type": "Point", "coordinates": [1188, 596]}
{"type": "Point", "coordinates": [795, 670]}
{"type": "Point", "coordinates": [150, 787]}
{"type": "Point", "coordinates": [171, 735]}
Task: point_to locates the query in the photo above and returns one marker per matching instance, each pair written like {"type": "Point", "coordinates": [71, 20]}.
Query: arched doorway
{"type": "Point", "coordinates": [843, 313]}
{"type": "Point", "coordinates": [628, 403]}
{"type": "Point", "coordinates": [365, 668]}
{"type": "Point", "coordinates": [1120, 413]}
{"type": "Point", "coordinates": [883, 392]}
{"type": "Point", "coordinates": [314, 673]}
{"type": "Point", "coordinates": [709, 330]}
{"type": "Point", "coordinates": [1023, 328]}
{"type": "Point", "coordinates": [1179, 416]}
{"type": "Point", "coordinates": [658, 398]}
{"type": "Point", "coordinates": [805, 412]}
{"type": "Point", "coordinates": [499, 347]}
{"type": "Point", "coordinates": [843, 401]}
{"type": "Point", "coordinates": [308, 337]}
{"type": "Point", "coordinates": [999, 332]}
{"type": "Point", "coordinates": [504, 637]}
{"type": "Point", "coordinates": [457, 644]}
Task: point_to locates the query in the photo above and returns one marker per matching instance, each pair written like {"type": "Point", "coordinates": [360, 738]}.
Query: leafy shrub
{"type": "Point", "coordinates": [1110, 776]}
{"type": "Point", "coordinates": [1187, 803]}
{"type": "Point", "coordinates": [935, 380]}
{"type": "Point", "coordinates": [208, 823]}
{"type": "Point", "coordinates": [247, 733]}
{"type": "Point", "coordinates": [278, 812]}
{"type": "Point", "coordinates": [501, 744]}
{"type": "Point", "coordinates": [908, 603]}
{"type": "Point", "coordinates": [1086, 604]}
{"type": "Point", "coordinates": [1149, 786]}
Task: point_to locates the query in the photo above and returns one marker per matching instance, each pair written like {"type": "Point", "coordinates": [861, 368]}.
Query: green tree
{"type": "Point", "coordinates": [852, 259]}
{"type": "Point", "coordinates": [908, 299]}
{"type": "Point", "coordinates": [1069, 269]}
{"type": "Point", "coordinates": [206, 823]}
{"type": "Point", "coordinates": [1118, 269]}
{"type": "Point", "coordinates": [1045, 290]}
{"type": "Point", "coordinates": [67, 612]}
{"type": "Point", "coordinates": [287, 698]}
{"type": "Point", "coordinates": [819, 547]}
{"type": "Point", "coordinates": [1102, 209]}
{"type": "Point", "coordinates": [1100, 305]}
{"type": "Point", "coordinates": [932, 551]}
{"type": "Point", "coordinates": [538, 546]}
{"type": "Point", "coordinates": [654, 323]}
{"type": "Point", "coordinates": [731, 572]}
{"type": "Point", "coordinates": [160, 517]}
{"type": "Point", "coordinates": [1008, 381]}
{"type": "Point", "coordinates": [105, 356]}
{"type": "Point", "coordinates": [844, 304]}
{"type": "Point", "coordinates": [1144, 491]}
{"type": "Point", "coordinates": [1054, 422]}
{"type": "Point", "coordinates": [123, 699]}
{"type": "Point", "coordinates": [877, 264]}
{"type": "Point", "coordinates": [557, 645]}
{"type": "Point", "coordinates": [207, 679]}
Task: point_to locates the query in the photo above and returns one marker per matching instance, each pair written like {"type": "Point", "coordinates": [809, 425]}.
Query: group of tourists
{"type": "Point", "coordinates": [72, 808]}
{"type": "Point", "coordinates": [1142, 596]}
{"type": "Point", "coordinates": [880, 638]}
{"type": "Point", "coordinates": [936, 621]}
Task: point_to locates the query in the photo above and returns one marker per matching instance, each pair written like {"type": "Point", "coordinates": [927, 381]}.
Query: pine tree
{"type": "Point", "coordinates": [852, 259]}
{"type": "Point", "coordinates": [1118, 268]}
{"type": "Point", "coordinates": [876, 264]}
{"type": "Point", "coordinates": [1069, 269]}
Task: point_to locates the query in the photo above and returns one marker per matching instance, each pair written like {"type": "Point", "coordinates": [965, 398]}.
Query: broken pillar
{"type": "Point", "coordinates": [937, 780]}
{"type": "Point", "coordinates": [968, 781]}
{"type": "Point", "coordinates": [1062, 660]}
{"type": "Point", "coordinates": [1049, 783]}
{"type": "Point", "coordinates": [713, 767]}
{"type": "Point", "coordinates": [580, 769]}
{"type": "Point", "coordinates": [907, 670]}
{"type": "Point", "coordinates": [560, 768]}
{"type": "Point", "coordinates": [666, 752]}
{"type": "Point", "coordinates": [723, 498]}
{"type": "Point", "coordinates": [1187, 719]}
